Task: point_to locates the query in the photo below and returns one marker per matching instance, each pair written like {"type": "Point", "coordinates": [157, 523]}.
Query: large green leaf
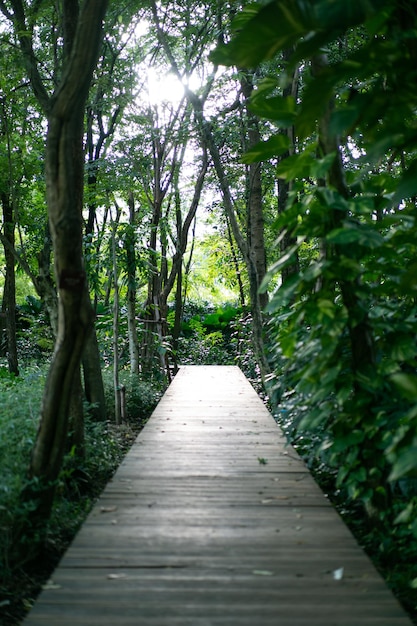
{"type": "Point", "coordinates": [405, 463]}
{"type": "Point", "coordinates": [279, 25]}
{"type": "Point", "coordinates": [277, 109]}
{"type": "Point", "coordinates": [264, 150]}
{"type": "Point", "coordinates": [295, 166]}
{"type": "Point", "coordinates": [406, 384]}
{"type": "Point", "coordinates": [284, 294]}
{"type": "Point", "coordinates": [286, 258]}
{"type": "Point", "coordinates": [276, 26]}
{"type": "Point", "coordinates": [356, 233]}
{"type": "Point", "coordinates": [347, 14]}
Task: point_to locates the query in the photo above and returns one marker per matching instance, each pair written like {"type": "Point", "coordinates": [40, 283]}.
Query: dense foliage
{"type": "Point", "coordinates": [343, 327]}
{"type": "Point", "coordinates": [222, 139]}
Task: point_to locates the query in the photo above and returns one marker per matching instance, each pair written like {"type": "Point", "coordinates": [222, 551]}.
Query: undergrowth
{"type": "Point", "coordinates": [80, 481]}
{"type": "Point", "coordinates": [391, 546]}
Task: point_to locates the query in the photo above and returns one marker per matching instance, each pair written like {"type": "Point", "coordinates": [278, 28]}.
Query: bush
{"type": "Point", "coordinates": [142, 396]}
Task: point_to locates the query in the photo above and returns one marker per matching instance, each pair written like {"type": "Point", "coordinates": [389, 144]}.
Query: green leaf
{"type": "Point", "coordinates": [274, 27]}
{"type": "Point", "coordinates": [280, 110]}
{"type": "Point", "coordinates": [327, 307]}
{"type": "Point", "coordinates": [264, 150]}
{"type": "Point", "coordinates": [295, 166]}
{"type": "Point", "coordinates": [284, 293]}
{"type": "Point", "coordinates": [320, 167]}
{"type": "Point", "coordinates": [278, 265]}
{"type": "Point", "coordinates": [405, 515]}
{"type": "Point", "coordinates": [406, 384]}
{"type": "Point", "coordinates": [334, 14]}
{"type": "Point", "coordinates": [405, 464]}
{"type": "Point", "coordinates": [288, 344]}
{"type": "Point", "coordinates": [343, 120]}
{"type": "Point", "coordinates": [407, 185]}
{"type": "Point", "coordinates": [355, 233]}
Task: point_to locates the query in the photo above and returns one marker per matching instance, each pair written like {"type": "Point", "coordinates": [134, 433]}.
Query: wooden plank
{"type": "Point", "coordinates": [212, 520]}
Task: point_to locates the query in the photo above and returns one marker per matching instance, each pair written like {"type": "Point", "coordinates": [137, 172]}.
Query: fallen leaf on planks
{"type": "Point", "coordinates": [51, 585]}
{"type": "Point", "coordinates": [108, 509]}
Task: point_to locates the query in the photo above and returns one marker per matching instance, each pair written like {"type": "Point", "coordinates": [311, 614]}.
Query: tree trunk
{"type": "Point", "coordinates": [209, 144]}
{"type": "Point", "coordinates": [93, 379]}
{"type": "Point", "coordinates": [64, 171]}
{"type": "Point", "coordinates": [178, 318]}
{"type": "Point", "coordinates": [76, 435]}
{"type": "Point", "coordinates": [131, 289]}
{"type": "Point", "coordinates": [254, 203]}
{"type": "Point", "coordinates": [116, 385]}
{"type": "Point", "coordinates": [44, 283]}
{"type": "Point", "coordinates": [236, 263]}
{"type": "Point", "coordinates": [9, 294]}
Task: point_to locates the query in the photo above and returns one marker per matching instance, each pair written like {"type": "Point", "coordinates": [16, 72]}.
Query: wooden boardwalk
{"type": "Point", "coordinates": [211, 520]}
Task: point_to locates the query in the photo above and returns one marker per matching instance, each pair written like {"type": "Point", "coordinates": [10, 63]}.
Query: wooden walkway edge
{"type": "Point", "coordinates": [212, 520]}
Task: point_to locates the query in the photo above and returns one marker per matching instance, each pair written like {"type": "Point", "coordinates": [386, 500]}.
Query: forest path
{"type": "Point", "coordinates": [212, 520]}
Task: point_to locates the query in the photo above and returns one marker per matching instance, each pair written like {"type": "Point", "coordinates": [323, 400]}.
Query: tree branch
{"type": "Point", "coordinates": [24, 36]}
{"type": "Point", "coordinates": [77, 74]}
{"type": "Point", "coordinates": [20, 260]}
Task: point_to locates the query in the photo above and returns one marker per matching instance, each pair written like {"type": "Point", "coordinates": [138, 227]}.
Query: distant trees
{"type": "Point", "coordinates": [247, 226]}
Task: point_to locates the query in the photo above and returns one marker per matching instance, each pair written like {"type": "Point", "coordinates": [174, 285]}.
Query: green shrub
{"type": "Point", "coordinates": [141, 396]}
{"type": "Point", "coordinates": [20, 399]}
{"type": "Point", "coordinates": [81, 478]}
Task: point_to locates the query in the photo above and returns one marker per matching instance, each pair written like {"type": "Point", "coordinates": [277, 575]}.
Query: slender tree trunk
{"type": "Point", "coordinates": [76, 434]}
{"type": "Point", "coordinates": [3, 335]}
{"type": "Point", "coordinates": [208, 141]}
{"type": "Point", "coordinates": [178, 317]}
{"type": "Point", "coordinates": [116, 384]}
{"type": "Point", "coordinates": [9, 293]}
{"type": "Point", "coordinates": [255, 216]}
{"type": "Point", "coordinates": [131, 289]}
{"type": "Point", "coordinates": [43, 281]}
{"type": "Point", "coordinates": [152, 315]}
{"type": "Point", "coordinates": [10, 285]}
{"type": "Point", "coordinates": [236, 264]}
{"type": "Point", "coordinates": [93, 379]}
